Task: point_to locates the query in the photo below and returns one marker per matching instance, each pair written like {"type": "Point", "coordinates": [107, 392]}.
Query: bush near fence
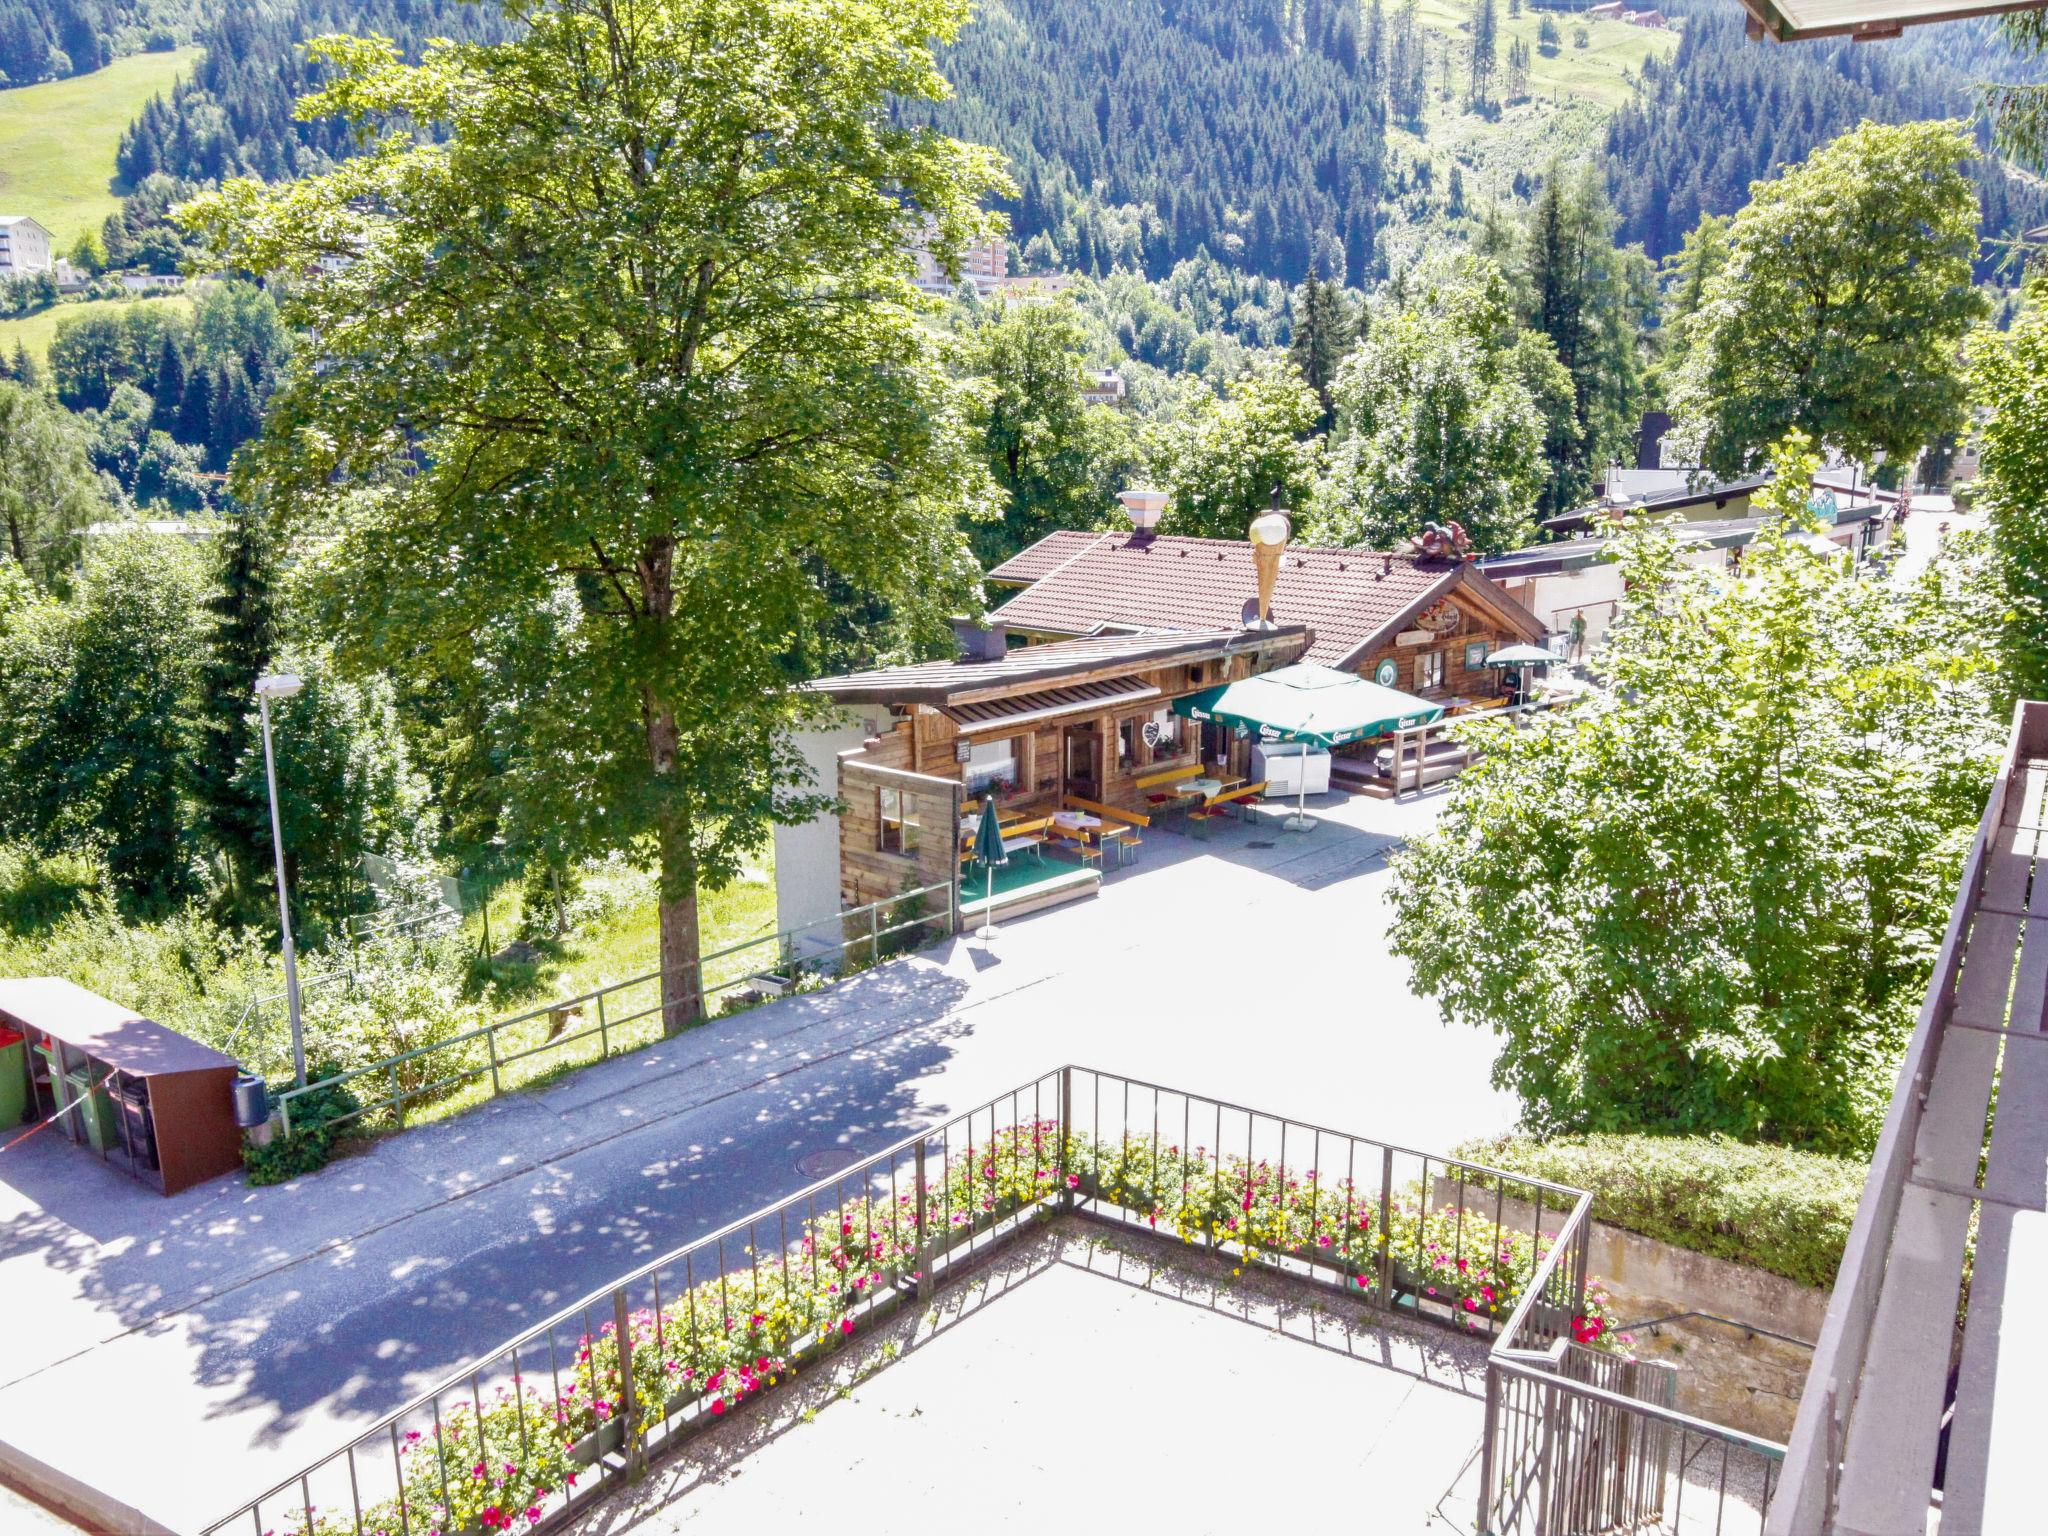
{"type": "Point", "coordinates": [1776, 1208]}
{"type": "Point", "coordinates": [498, 1461]}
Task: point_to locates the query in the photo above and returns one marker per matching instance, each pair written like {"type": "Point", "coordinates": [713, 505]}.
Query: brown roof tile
{"type": "Point", "coordinates": [1347, 596]}
{"type": "Point", "coordinates": [1046, 556]}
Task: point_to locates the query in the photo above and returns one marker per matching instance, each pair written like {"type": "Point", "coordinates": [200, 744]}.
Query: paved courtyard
{"type": "Point", "coordinates": [184, 1353]}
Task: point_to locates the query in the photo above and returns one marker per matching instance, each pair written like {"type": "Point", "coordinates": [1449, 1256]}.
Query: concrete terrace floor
{"type": "Point", "coordinates": [1102, 1381]}
{"type": "Point", "coordinates": [181, 1355]}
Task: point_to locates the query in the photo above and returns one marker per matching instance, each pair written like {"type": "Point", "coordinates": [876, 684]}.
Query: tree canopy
{"type": "Point", "coordinates": [1842, 303]}
{"type": "Point", "coordinates": [635, 331]}
{"type": "Point", "coordinates": [2009, 378]}
{"type": "Point", "coordinates": [1704, 899]}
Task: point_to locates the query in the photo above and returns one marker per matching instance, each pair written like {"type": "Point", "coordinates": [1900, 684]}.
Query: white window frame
{"type": "Point", "coordinates": [1429, 670]}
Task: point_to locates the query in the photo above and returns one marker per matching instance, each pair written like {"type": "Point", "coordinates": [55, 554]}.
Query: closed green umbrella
{"type": "Point", "coordinates": [990, 854]}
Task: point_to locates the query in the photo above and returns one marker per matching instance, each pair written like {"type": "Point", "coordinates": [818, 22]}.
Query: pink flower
{"type": "Point", "coordinates": [1073, 1181]}
{"type": "Point", "coordinates": [846, 1325]}
{"type": "Point", "coordinates": [718, 1405]}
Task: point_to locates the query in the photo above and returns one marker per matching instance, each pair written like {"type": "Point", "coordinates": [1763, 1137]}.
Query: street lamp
{"type": "Point", "coordinates": [282, 685]}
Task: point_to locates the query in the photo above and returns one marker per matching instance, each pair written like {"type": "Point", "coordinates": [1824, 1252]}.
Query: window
{"type": "Point", "coordinates": [991, 763]}
{"type": "Point", "coordinates": [1163, 733]}
{"type": "Point", "coordinates": [1475, 655]}
{"type": "Point", "coordinates": [1429, 670]}
{"type": "Point", "coordinates": [1127, 745]}
{"type": "Point", "coordinates": [896, 814]}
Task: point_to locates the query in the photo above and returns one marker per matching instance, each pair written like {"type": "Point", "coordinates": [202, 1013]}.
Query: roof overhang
{"type": "Point", "coordinates": [1480, 588]}
{"type": "Point", "coordinates": [991, 715]}
{"type": "Point", "coordinates": [951, 684]}
{"type": "Point", "coordinates": [1788, 21]}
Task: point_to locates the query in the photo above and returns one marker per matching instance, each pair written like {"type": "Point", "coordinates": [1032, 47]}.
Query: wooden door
{"type": "Point", "coordinates": [1081, 762]}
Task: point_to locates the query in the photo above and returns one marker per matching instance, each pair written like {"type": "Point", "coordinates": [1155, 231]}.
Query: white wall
{"type": "Point", "coordinates": [28, 250]}
{"type": "Point", "coordinates": [807, 855]}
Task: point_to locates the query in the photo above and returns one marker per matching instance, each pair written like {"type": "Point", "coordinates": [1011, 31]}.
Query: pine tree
{"type": "Point", "coordinates": [1485, 56]}
{"type": "Point", "coordinates": [1518, 70]}
{"type": "Point", "coordinates": [236, 417]}
{"type": "Point", "coordinates": [244, 640]}
{"type": "Point", "coordinates": [24, 369]}
{"type": "Point", "coordinates": [1323, 338]}
{"type": "Point", "coordinates": [169, 391]}
{"type": "Point", "coordinates": [195, 410]}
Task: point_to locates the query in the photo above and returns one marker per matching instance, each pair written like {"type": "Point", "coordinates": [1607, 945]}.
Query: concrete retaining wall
{"type": "Point", "coordinates": [1727, 1374]}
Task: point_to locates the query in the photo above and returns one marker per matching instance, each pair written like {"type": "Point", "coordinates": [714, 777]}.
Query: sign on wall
{"type": "Point", "coordinates": [1387, 673]}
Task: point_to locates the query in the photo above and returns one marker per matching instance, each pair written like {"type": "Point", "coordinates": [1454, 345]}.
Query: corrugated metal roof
{"type": "Point", "coordinates": [957, 682]}
{"type": "Point", "coordinates": [1348, 597]}
{"type": "Point", "coordinates": [1025, 708]}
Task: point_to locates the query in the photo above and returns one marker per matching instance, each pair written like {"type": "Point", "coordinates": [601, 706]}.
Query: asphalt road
{"type": "Point", "coordinates": [215, 1344]}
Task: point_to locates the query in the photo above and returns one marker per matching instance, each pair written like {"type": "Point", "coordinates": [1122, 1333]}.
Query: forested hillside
{"type": "Point", "coordinates": [1727, 111]}
{"type": "Point", "coordinates": [50, 39]}
{"type": "Point", "coordinates": [1142, 130]}
{"type": "Point", "coordinates": [233, 114]}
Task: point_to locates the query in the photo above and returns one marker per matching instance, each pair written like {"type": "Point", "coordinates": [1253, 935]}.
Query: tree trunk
{"type": "Point", "coordinates": [682, 993]}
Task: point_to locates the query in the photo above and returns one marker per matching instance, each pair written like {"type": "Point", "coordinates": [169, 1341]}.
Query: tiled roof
{"type": "Point", "coordinates": [1349, 597]}
{"type": "Point", "coordinates": [962, 681]}
{"type": "Point", "coordinates": [1046, 556]}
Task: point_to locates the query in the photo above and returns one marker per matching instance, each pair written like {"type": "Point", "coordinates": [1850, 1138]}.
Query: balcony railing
{"type": "Point", "coordinates": [557, 1416]}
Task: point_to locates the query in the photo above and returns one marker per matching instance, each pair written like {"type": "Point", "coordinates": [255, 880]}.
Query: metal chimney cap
{"type": "Point", "coordinates": [1144, 506]}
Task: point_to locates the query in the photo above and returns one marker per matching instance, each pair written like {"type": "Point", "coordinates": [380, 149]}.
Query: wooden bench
{"type": "Point", "coordinates": [1243, 795]}
{"type": "Point", "coordinates": [1106, 812]}
{"type": "Point", "coordinates": [1152, 784]}
{"type": "Point", "coordinates": [1017, 837]}
{"type": "Point", "coordinates": [1075, 840]}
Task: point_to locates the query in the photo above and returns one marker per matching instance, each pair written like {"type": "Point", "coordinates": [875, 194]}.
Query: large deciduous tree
{"type": "Point", "coordinates": [1706, 897]}
{"type": "Point", "coordinates": [635, 329]}
{"type": "Point", "coordinates": [2009, 375]}
{"type": "Point", "coordinates": [1056, 458]}
{"type": "Point", "coordinates": [48, 493]}
{"type": "Point", "coordinates": [1441, 415]}
{"type": "Point", "coordinates": [1842, 303]}
{"type": "Point", "coordinates": [1221, 458]}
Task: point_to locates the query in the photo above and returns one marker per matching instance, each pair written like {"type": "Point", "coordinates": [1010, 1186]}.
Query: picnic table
{"type": "Point", "coordinates": [1077, 821]}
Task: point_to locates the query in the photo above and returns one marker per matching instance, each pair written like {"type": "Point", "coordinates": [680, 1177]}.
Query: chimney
{"type": "Point", "coordinates": [1144, 507]}
{"type": "Point", "coordinates": [1268, 534]}
{"type": "Point", "coordinates": [978, 643]}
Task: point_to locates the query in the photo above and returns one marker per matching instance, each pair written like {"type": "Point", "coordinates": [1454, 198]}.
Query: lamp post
{"type": "Point", "coordinates": [282, 685]}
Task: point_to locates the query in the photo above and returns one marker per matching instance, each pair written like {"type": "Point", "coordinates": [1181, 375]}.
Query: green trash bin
{"type": "Point", "coordinates": [13, 1079]}
{"type": "Point", "coordinates": [94, 1109]}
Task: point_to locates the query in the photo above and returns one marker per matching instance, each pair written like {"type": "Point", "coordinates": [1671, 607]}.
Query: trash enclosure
{"type": "Point", "coordinates": [144, 1098]}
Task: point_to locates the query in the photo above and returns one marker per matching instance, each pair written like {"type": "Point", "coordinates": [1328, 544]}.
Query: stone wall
{"type": "Point", "coordinates": [1727, 1374]}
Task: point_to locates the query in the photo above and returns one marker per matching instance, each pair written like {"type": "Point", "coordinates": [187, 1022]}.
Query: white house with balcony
{"type": "Point", "coordinates": [24, 246]}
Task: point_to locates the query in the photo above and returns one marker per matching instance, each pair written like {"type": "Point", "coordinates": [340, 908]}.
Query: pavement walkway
{"type": "Point", "coordinates": [184, 1354]}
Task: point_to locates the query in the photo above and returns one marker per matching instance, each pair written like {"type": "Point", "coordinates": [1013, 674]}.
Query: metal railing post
{"type": "Point", "coordinates": [1484, 1519]}
{"type": "Point", "coordinates": [604, 1040]}
{"type": "Point", "coordinates": [622, 1331]}
{"type": "Point", "coordinates": [1066, 1133]}
{"type": "Point", "coordinates": [491, 1040]}
{"type": "Point", "coordinates": [874, 933]}
{"type": "Point", "coordinates": [1386, 1295]}
{"type": "Point", "coordinates": [926, 1281]}
{"type": "Point", "coordinates": [397, 1098]}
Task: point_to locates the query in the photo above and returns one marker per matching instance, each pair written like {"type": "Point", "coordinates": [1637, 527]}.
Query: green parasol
{"type": "Point", "coordinates": [990, 854]}
{"type": "Point", "coordinates": [1316, 705]}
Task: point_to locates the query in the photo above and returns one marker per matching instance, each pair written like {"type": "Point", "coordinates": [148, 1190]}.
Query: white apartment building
{"type": "Point", "coordinates": [24, 246]}
{"type": "Point", "coordinates": [985, 266]}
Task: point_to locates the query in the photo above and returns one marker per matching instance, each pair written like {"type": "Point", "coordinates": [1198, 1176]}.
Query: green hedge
{"type": "Point", "coordinates": [1776, 1208]}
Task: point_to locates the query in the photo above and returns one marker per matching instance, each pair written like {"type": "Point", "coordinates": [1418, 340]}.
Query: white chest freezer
{"type": "Point", "coordinates": [1291, 768]}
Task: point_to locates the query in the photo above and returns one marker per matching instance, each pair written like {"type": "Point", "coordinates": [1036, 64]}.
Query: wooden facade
{"type": "Point", "coordinates": [1092, 734]}
{"type": "Point", "coordinates": [1449, 641]}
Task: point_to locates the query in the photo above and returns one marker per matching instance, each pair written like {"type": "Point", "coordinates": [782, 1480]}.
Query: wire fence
{"type": "Point", "coordinates": [542, 1043]}
{"type": "Point", "coordinates": [570, 1408]}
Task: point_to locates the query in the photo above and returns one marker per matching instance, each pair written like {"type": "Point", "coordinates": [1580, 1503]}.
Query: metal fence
{"type": "Point", "coordinates": [556, 1416]}
{"type": "Point", "coordinates": [570, 1032]}
{"type": "Point", "coordinates": [1579, 1441]}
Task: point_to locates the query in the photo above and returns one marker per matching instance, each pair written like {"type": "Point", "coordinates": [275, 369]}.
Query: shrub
{"type": "Point", "coordinates": [400, 996]}
{"type": "Point", "coordinates": [311, 1142]}
{"type": "Point", "coordinates": [1777, 1208]}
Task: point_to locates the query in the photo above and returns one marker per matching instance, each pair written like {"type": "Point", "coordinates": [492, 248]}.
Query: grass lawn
{"type": "Point", "coordinates": [36, 331]}
{"type": "Point", "coordinates": [615, 941]}
{"type": "Point", "coordinates": [1571, 96]}
{"type": "Point", "coordinates": [57, 140]}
